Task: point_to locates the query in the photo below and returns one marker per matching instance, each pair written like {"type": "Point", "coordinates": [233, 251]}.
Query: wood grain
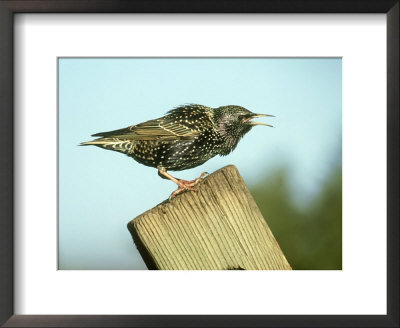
{"type": "Point", "coordinates": [218, 227]}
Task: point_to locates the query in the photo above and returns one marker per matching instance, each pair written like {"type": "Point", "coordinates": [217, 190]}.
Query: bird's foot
{"type": "Point", "coordinates": [187, 185]}
{"type": "Point", "coordinates": [192, 183]}
{"type": "Point", "coordinates": [182, 186]}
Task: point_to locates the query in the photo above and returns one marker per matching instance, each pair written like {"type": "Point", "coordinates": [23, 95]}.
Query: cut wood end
{"type": "Point", "coordinates": [217, 227]}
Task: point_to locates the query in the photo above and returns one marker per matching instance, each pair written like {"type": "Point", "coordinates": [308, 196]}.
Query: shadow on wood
{"type": "Point", "coordinates": [218, 227]}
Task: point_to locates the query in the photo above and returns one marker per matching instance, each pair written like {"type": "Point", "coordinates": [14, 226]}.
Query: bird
{"type": "Point", "coordinates": [186, 137]}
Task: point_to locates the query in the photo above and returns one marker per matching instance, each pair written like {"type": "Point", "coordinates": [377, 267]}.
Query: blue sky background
{"type": "Point", "coordinates": [100, 191]}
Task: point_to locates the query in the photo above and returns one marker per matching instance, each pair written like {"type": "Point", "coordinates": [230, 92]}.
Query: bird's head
{"type": "Point", "coordinates": [233, 122]}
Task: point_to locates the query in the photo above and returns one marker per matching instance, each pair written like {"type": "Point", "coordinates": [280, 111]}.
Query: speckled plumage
{"type": "Point", "coordinates": [185, 137]}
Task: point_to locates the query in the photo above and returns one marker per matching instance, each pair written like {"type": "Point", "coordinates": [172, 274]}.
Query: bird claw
{"type": "Point", "coordinates": [180, 190]}
{"type": "Point", "coordinates": [187, 185]}
{"type": "Point", "coordinates": [184, 185]}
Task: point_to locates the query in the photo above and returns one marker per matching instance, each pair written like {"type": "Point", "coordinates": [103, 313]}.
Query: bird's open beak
{"type": "Point", "coordinates": [258, 123]}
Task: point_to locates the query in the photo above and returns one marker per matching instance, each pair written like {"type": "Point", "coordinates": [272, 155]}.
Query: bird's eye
{"type": "Point", "coordinates": [241, 117]}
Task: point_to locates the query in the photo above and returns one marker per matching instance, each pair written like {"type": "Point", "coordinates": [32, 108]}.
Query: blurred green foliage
{"type": "Point", "coordinates": [310, 236]}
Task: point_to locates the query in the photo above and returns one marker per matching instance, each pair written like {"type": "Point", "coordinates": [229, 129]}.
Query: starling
{"type": "Point", "coordinates": [185, 137]}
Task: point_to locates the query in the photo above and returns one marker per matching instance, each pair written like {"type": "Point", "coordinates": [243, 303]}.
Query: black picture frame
{"type": "Point", "coordinates": [7, 11]}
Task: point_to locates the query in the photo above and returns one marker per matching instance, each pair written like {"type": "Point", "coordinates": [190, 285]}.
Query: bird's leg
{"type": "Point", "coordinates": [182, 184]}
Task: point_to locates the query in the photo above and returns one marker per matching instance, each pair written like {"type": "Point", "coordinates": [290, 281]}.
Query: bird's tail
{"type": "Point", "coordinates": [97, 142]}
{"type": "Point", "coordinates": [123, 146]}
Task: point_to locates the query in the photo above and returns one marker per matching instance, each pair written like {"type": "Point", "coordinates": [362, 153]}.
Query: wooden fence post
{"type": "Point", "coordinates": [218, 227]}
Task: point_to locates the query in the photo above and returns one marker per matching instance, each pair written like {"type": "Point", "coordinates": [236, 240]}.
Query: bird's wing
{"type": "Point", "coordinates": [165, 129]}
